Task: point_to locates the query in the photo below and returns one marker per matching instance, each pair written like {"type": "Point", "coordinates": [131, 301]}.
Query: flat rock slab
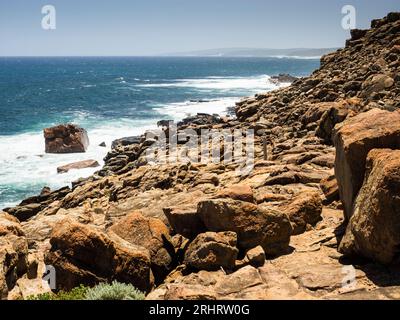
{"type": "Point", "coordinates": [78, 165]}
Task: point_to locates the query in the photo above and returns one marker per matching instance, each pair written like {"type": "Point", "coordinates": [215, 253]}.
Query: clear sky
{"type": "Point", "coordinates": [151, 27]}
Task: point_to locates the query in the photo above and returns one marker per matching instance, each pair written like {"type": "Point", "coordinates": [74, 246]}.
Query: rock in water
{"type": "Point", "coordinates": [353, 139]}
{"type": "Point", "coordinates": [66, 138]}
{"type": "Point", "coordinates": [83, 254]}
{"type": "Point", "coordinates": [283, 78]}
{"type": "Point", "coordinates": [211, 251]}
{"type": "Point", "coordinates": [78, 165]}
{"type": "Point", "coordinates": [374, 228]}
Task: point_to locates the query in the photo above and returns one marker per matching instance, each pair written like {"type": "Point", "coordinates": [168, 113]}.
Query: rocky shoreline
{"type": "Point", "coordinates": [316, 218]}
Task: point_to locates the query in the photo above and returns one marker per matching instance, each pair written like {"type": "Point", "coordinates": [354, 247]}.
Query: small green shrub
{"type": "Point", "coordinates": [103, 291]}
{"type": "Point", "coordinates": [43, 296]}
{"type": "Point", "coordinates": [114, 291]}
{"type": "Point", "coordinates": [77, 293]}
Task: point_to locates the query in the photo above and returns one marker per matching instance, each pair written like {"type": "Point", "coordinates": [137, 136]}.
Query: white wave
{"type": "Point", "coordinates": [23, 161]}
{"type": "Point", "coordinates": [221, 83]}
{"type": "Point", "coordinates": [297, 57]}
{"type": "Point", "coordinates": [178, 111]}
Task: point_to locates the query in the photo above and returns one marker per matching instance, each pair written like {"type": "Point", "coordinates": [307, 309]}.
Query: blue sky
{"type": "Point", "coordinates": [151, 27]}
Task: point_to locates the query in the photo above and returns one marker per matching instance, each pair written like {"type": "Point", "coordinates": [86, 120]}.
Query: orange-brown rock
{"type": "Point", "coordinates": [82, 254]}
{"type": "Point", "coordinates": [305, 209]}
{"type": "Point", "coordinates": [353, 139]}
{"type": "Point", "coordinates": [184, 220]}
{"type": "Point", "coordinates": [66, 138]}
{"type": "Point", "coordinates": [374, 228]}
{"type": "Point", "coordinates": [211, 251]}
{"type": "Point", "coordinates": [78, 165]}
{"type": "Point", "coordinates": [152, 234]}
{"type": "Point", "coordinates": [241, 192]}
{"type": "Point", "coordinates": [254, 225]}
{"type": "Point", "coordinates": [13, 253]}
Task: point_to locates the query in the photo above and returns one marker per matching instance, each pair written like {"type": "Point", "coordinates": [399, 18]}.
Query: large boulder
{"type": "Point", "coordinates": [374, 228]}
{"type": "Point", "coordinates": [353, 139]}
{"type": "Point", "coordinates": [211, 251]}
{"type": "Point", "coordinates": [13, 253]}
{"type": "Point", "coordinates": [304, 210]}
{"type": "Point", "coordinates": [66, 138]}
{"type": "Point", "coordinates": [254, 225]}
{"type": "Point", "coordinates": [85, 255]}
{"type": "Point", "coordinates": [152, 234]}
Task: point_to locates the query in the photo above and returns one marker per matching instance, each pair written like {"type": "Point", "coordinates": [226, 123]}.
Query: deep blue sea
{"type": "Point", "coordinates": [111, 98]}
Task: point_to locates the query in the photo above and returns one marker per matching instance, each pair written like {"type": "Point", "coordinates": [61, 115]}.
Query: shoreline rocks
{"type": "Point", "coordinates": [275, 231]}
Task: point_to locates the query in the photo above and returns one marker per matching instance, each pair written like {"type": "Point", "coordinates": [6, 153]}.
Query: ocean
{"type": "Point", "coordinates": [111, 98]}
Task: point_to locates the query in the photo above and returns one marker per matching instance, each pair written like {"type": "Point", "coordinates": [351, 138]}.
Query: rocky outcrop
{"type": "Point", "coordinates": [66, 138]}
{"type": "Point", "coordinates": [211, 251]}
{"type": "Point", "coordinates": [353, 139]}
{"type": "Point", "coordinates": [13, 253]}
{"type": "Point", "coordinates": [78, 165]}
{"type": "Point", "coordinates": [82, 254]}
{"type": "Point", "coordinates": [374, 228]}
{"type": "Point", "coordinates": [254, 225]}
{"type": "Point", "coordinates": [33, 205]}
{"type": "Point", "coordinates": [351, 101]}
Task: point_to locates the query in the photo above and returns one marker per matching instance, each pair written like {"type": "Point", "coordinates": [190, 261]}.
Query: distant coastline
{"type": "Point", "coordinates": [297, 53]}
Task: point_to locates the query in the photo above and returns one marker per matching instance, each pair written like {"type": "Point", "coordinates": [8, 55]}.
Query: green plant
{"type": "Point", "coordinates": [77, 293]}
{"type": "Point", "coordinates": [114, 291]}
{"type": "Point", "coordinates": [42, 296]}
